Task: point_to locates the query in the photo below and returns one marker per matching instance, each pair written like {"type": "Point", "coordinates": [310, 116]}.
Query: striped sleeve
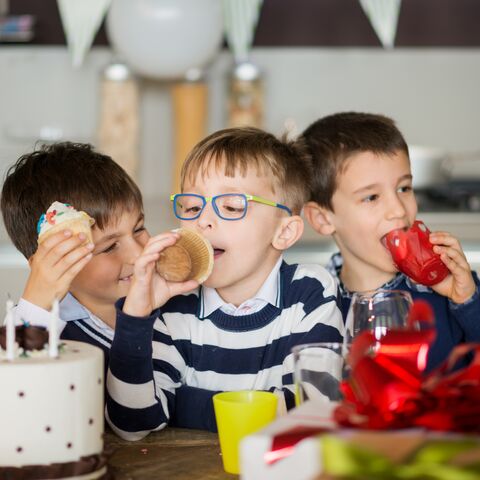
{"type": "Point", "coordinates": [320, 319]}
{"type": "Point", "coordinates": [141, 380]}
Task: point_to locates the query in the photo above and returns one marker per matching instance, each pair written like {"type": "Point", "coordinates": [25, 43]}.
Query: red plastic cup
{"type": "Point", "coordinates": [413, 254]}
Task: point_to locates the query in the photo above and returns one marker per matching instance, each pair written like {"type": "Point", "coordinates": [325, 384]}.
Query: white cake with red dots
{"type": "Point", "coordinates": [51, 413]}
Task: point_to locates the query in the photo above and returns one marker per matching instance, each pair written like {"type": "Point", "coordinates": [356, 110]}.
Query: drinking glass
{"type": "Point", "coordinates": [377, 311]}
{"type": "Point", "coordinates": [318, 371]}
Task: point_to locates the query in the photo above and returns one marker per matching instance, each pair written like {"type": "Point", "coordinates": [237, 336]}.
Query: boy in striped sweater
{"type": "Point", "coordinates": [243, 189]}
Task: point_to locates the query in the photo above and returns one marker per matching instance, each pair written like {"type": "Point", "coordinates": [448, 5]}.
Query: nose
{"type": "Point", "coordinates": [395, 207]}
{"type": "Point", "coordinates": [207, 218]}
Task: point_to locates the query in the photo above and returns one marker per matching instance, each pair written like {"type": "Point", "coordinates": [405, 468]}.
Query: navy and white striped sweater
{"type": "Point", "coordinates": [164, 369]}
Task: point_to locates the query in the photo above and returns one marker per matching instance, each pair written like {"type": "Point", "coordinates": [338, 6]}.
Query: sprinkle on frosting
{"type": "Point", "coordinates": [57, 213]}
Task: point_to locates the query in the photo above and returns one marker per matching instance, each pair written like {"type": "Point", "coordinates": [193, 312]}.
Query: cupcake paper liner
{"type": "Point", "coordinates": [79, 225]}
{"type": "Point", "coordinates": [200, 252]}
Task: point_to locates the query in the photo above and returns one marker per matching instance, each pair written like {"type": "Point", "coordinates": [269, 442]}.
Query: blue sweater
{"type": "Point", "coordinates": [164, 369]}
{"type": "Point", "coordinates": [455, 323]}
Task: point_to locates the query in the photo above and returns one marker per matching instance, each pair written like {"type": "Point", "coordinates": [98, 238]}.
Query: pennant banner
{"type": "Point", "coordinates": [81, 20]}
{"type": "Point", "coordinates": [383, 15]}
{"type": "Point", "coordinates": [240, 17]}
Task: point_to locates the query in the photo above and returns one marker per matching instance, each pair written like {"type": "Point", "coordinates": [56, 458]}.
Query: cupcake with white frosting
{"type": "Point", "coordinates": [62, 216]}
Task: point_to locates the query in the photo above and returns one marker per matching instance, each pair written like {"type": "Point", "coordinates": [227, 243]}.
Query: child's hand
{"type": "Point", "coordinates": [459, 286]}
{"type": "Point", "coordinates": [149, 290]}
{"type": "Point", "coordinates": [54, 265]}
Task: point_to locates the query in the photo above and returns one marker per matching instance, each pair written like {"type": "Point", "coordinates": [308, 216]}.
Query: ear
{"type": "Point", "coordinates": [288, 232]}
{"type": "Point", "coordinates": [319, 218]}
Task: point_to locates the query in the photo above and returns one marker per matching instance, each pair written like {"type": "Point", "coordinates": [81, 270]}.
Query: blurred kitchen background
{"type": "Point", "coordinates": [160, 74]}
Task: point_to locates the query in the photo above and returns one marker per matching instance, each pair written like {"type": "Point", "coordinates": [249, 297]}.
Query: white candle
{"type": "Point", "coordinates": [52, 331]}
{"type": "Point", "coordinates": [10, 327]}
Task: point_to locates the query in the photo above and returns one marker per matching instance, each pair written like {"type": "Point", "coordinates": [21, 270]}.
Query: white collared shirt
{"type": "Point", "coordinates": [269, 293]}
{"type": "Point", "coordinates": [72, 309]}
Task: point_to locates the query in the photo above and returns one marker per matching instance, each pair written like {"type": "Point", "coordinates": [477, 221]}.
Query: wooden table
{"type": "Point", "coordinates": [172, 453]}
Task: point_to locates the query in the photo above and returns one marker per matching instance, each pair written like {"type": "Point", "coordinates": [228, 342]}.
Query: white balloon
{"type": "Point", "coordinates": [165, 38]}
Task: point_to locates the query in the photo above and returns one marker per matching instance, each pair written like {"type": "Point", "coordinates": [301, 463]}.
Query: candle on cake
{"type": "Point", "coordinates": [10, 330]}
{"type": "Point", "coordinates": [53, 330]}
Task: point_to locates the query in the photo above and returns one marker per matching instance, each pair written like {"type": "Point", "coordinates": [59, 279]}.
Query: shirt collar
{"type": "Point", "coordinates": [71, 309]}
{"type": "Point", "coordinates": [269, 292]}
{"type": "Point", "coordinates": [334, 266]}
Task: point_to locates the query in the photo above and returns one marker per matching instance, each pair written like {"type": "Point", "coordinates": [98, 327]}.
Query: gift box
{"type": "Point", "coordinates": [395, 421]}
{"type": "Point", "coordinates": [306, 444]}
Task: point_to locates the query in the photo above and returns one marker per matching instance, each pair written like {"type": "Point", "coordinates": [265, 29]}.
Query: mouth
{"type": "Point", "coordinates": [126, 279]}
{"type": "Point", "coordinates": [218, 252]}
{"type": "Point", "coordinates": [383, 240]}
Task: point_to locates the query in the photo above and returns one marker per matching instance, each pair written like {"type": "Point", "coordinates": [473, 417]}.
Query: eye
{"type": "Point", "coordinates": [192, 209]}
{"type": "Point", "coordinates": [232, 209]}
{"type": "Point", "coordinates": [139, 229]}
{"type": "Point", "coordinates": [110, 248]}
{"type": "Point", "coordinates": [370, 198]}
{"type": "Point", "coordinates": [405, 189]}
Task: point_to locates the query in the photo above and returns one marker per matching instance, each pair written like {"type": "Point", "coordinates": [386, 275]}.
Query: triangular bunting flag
{"type": "Point", "coordinates": [383, 15]}
{"type": "Point", "coordinates": [81, 19]}
{"type": "Point", "coordinates": [240, 17]}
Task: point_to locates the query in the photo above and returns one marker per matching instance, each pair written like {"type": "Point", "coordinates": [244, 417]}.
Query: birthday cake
{"type": "Point", "coordinates": [51, 408]}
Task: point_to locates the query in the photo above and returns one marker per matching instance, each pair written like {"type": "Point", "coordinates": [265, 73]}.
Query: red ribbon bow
{"type": "Point", "coordinates": [388, 388]}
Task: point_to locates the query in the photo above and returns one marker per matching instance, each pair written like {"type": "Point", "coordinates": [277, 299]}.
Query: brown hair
{"type": "Point", "coordinates": [238, 149]}
{"type": "Point", "coordinates": [332, 141]}
{"type": "Point", "coordinates": [69, 173]}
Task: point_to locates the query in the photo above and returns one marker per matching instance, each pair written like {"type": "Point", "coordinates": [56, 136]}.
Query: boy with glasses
{"type": "Point", "coordinates": [243, 189]}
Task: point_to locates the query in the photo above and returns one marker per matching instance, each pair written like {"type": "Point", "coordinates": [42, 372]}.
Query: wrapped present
{"type": "Point", "coordinates": [307, 445]}
{"type": "Point", "coordinates": [395, 421]}
{"type": "Point", "coordinates": [388, 388]}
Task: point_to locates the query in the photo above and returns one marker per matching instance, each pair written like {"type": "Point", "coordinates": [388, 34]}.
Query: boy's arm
{"type": "Point", "coordinates": [467, 314]}
{"type": "Point", "coordinates": [321, 322]}
{"type": "Point", "coordinates": [144, 390]}
{"type": "Point", "coordinates": [144, 367]}
{"type": "Point", "coordinates": [461, 287]}
{"type": "Point", "coordinates": [194, 409]}
{"type": "Point", "coordinates": [136, 403]}
{"type": "Point", "coordinates": [53, 267]}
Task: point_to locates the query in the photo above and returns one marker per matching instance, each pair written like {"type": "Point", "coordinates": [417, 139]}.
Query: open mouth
{"type": "Point", "coordinates": [383, 240]}
{"type": "Point", "coordinates": [218, 252]}
{"type": "Point", "coordinates": [125, 279]}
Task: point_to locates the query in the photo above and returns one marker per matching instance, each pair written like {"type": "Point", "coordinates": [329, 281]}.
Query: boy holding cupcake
{"type": "Point", "coordinates": [242, 189]}
{"type": "Point", "coordinates": [87, 267]}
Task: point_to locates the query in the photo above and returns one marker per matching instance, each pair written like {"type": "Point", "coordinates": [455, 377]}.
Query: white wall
{"type": "Point", "coordinates": [432, 93]}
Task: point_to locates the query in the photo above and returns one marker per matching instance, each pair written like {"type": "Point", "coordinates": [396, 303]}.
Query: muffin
{"type": "Point", "coordinates": [62, 216]}
{"type": "Point", "coordinates": [191, 258]}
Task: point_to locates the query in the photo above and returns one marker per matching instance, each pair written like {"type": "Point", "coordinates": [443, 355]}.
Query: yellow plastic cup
{"type": "Point", "coordinates": [239, 414]}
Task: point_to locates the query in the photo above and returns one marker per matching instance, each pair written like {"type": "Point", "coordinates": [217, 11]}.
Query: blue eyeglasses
{"type": "Point", "coordinates": [229, 206]}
